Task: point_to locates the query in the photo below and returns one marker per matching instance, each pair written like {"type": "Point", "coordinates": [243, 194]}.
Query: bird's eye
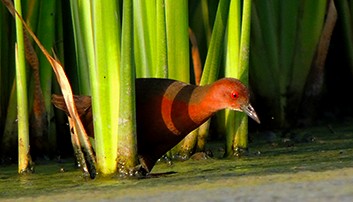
{"type": "Point", "coordinates": [235, 95]}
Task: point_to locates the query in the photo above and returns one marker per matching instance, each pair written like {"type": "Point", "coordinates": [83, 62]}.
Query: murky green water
{"type": "Point", "coordinates": [318, 158]}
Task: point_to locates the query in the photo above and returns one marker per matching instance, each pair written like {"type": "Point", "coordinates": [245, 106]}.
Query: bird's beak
{"type": "Point", "coordinates": [249, 110]}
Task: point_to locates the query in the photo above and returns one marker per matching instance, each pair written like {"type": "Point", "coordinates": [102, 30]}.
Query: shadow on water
{"type": "Point", "coordinates": [325, 151]}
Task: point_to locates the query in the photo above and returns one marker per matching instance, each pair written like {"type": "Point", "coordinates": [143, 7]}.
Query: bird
{"type": "Point", "coordinates": [167, 110]}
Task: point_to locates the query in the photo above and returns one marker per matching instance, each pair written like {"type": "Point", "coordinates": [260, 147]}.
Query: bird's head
{"type": "Point", "coordinates": [230, 93]}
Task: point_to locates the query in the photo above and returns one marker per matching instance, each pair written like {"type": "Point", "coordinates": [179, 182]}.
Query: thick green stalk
{"type": "Point", "coordinates": [214, 54]}
{"type": "Point", "coordinates": [288, 30]}
{"type": "Point", "coordinates": [151, 7]}
{"type": "Point", "coordinates": [268, 17]}
{"type": "Point", "coordinates": [24, 160]}
{"type": "Point", "coordinates": [59, 34]}
{"type": "Point", "coordinates": [288, 26]}
{"type": "Point", "coordinates": [232, 67]}
{"type": "Point", "coordinates": [188, 146]}
{"type": "Point", "coordinates": [241, 119]}
{"type": "Point", "coordinates": [206, 20]}
{"type": "Point", "coordinates": [237, 66]}
{"type": "Point", "coordinates": [176, 13]}
{"type": "Point", "coordinates": [142, 37]}
{"type": "Point", "coordinates": [127, 140]}
{"type": "Point", "coordinates": [84, 46]}
{"type": "Point", "coordinates": [161, 41]}
{"type": "Point", "coordinates": [213, 59]}
{"type": "Point", "coordinates": [233, 40]}
{"type": "Point", "coordinates": [53, 138]}
{"type": "Point", "coordinates": [105, 83]}
{"type": "Point", "coordinates": [31, 12]}
{"type": "Point", "coordinates": [46, 34]}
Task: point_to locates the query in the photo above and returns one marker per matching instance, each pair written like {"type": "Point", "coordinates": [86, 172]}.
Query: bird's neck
{"type": "Point", "coordinates": [202, 105]}
{"type": "Point", "coordinates": [185, 107]}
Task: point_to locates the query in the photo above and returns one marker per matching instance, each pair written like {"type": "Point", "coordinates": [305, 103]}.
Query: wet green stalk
{"type": "Point", "coordinates": [213, 59]}
{"type": "Point", "coordinates": [214, 54]}
{"type": "Point", "coordinates": [150, 43]}
{"type": "Point", "coordinates": [176, 14]}
{"type": "Point", "coordinates": [127, 140]}
{"type": "Point", "coordinates": [206, 20]}
{"type": "Point", "coordinates": [105, 83]}
{"type": "Point", "coordinates": [31, 11]}
{"type": "Point", "coordinates": [24, 160]}
{"type": "Point", "coordinates": [143, 11]}
{"type": "Point", "coordinates": [241, 119]}
{"type": "Point", "coordinates": [161, 40]}
{"type": "Point", "coordinates": [46, 33]}
{"type": "Point", "coordinates": [84, 46]}
{"type": "Point", "coordinates": [232, 68]}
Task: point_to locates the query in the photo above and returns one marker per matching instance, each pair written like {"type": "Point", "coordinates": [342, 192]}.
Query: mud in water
{"type": "Point", "coordinates": [313, 164]}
